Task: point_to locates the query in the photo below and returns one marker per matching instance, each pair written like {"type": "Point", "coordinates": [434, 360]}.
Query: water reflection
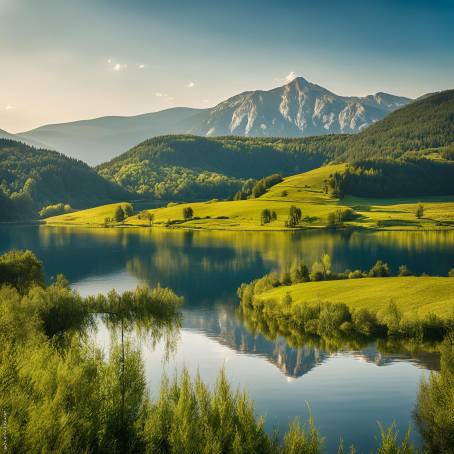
{"type": "Point", "coordinates": [378, 381]}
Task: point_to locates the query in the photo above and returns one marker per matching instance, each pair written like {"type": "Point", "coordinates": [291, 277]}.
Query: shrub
{"type": "Point", "coordinates": [451, 272]}
{"type": "Point", "coordinates": [404, 271]}
{"type": "Point", "coordinates": [380, 269]}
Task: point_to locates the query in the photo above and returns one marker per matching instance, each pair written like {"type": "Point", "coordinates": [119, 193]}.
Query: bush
{"type": "Point", "coordinates": [404, 271]}
{"type": "Point", "coordinates": [119, 215]}
{"type": "Point", "coordinates": [451, 272]}
{"type": "Point", "coordinates": [55, 210]}
{"type": "Point", "coordinates": [380, 269]}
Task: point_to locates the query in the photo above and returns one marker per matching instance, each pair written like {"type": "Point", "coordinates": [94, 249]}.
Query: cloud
{"type": "Point", "coordinates": [109, 60]}
{"type": "Point", "coordinates": [8, 107]}
{"type": "Point", "coordinates": [190, 85]}
{"type": "Point", "coordinates": [119, 66]}
{"type": "Point", "coordinates": [158, 94]}
{"type": "Point", "coordinates": [290, 76]}
{"type": "Point", "coordinates": [141, 66]}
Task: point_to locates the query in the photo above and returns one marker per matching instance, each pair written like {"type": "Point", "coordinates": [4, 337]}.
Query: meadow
{"type": "Point", "coordinates": [305, 191]}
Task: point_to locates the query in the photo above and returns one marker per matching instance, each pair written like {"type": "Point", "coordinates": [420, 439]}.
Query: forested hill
{"type": "Point", "coordinates": [32, 178]}
{"type": "Point", "coordinates": [199, 167]}
{"type": "Point", "coordinates": [426, 123]}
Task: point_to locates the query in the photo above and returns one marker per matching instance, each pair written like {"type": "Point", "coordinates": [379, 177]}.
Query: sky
{"type": "Point", "coordinates": [63, 60]}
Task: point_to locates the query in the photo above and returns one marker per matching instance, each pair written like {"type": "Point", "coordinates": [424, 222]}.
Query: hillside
{"type": "Point", "coordinates": [32, 178]}
{"type": "Point", "coordinates": [305, 191]}
{"type": "Point", "coordinates": [425, 123]}
{"type": "Point", "coordinates": [297, 109]}
{"type": "Point", "coordinates": [417, 296]}
{"type": "Point", "coordinates": [190, 167]}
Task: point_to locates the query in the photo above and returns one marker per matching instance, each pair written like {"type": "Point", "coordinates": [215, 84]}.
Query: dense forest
{"type": "Point", "coordinates": [31, 179]}
{"type": "Point", "coordinates": [199, 167]}
{"type": "Point", "coordinates": [395, 177]}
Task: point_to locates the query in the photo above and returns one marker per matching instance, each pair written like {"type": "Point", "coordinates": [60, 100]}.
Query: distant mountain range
{"type": "Point", "coordinates": [297, 109]}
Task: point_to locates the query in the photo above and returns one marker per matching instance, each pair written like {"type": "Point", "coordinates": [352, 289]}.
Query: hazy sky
{"type": "Point", "coordinates": [63, 60]}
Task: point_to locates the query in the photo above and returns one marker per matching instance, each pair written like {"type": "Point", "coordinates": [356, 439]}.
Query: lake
{"type": "Point", "coordinates": [348, 391]}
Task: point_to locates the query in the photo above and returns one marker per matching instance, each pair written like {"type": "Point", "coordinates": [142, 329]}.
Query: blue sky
{"type": "Point", "coordinates": [63, 60]}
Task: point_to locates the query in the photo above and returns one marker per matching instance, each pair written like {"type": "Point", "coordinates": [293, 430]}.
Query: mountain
{"type": "Point", "coordinates": [297, 109]}
{"type": "Point", "coordinates": [100, 139]}
{"type": "Point", "coordinates": [191, 167]}
{"type": "Point", "coordinates": [18, 138]}
{"type": "Point", "coordinates": [32, 178]}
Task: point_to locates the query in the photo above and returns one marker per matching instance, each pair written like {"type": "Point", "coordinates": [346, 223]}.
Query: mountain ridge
{"type": "Point", "coordinates": [296, 109]}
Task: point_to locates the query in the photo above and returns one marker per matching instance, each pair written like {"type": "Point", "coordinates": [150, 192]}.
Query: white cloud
{"type": "Point", "coordinates": [119, 66]}
{"type": "Point", "coordinates": [141, 66]}
{"type": "Point", "coordinates": [292, 75]}
{"type": "Point", "coordinates": [206, 101]}
{"type": "Point", "coordinates": [109, 60]}
{"type": "Point", "coordinates": [190, 85]}
{"type": "Point", "coordinates": [8, 107]}
{"type": "Point", "coordinates": [161, 95]}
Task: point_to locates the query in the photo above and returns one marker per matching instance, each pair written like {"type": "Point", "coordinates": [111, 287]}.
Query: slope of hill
{"type": "Point", "coordinates": [296, 109]}
{"type": "Point", "coordinates": [191, 167]}
{"type": "Point", "coordinates": [425, 123]}
{"type": "Point", "coordinates": [305, 191]}
{"type": "Point", "coordinates": [33, 143]}
{"type": "Point", "coordinates": [32, 178]}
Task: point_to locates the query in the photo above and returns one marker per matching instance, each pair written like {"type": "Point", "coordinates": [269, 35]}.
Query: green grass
{"type": "Point", "coordinates": [303, 190]}
{"type": "Point", "coordinates": [414, 295]}
{"type": "Point", "coordinates": [90, 217]}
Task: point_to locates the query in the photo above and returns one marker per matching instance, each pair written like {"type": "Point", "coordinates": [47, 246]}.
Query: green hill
{"type": "Point", "coordinates": [191, 167]}
{"type": "Point", "coordinates": [32, 178]}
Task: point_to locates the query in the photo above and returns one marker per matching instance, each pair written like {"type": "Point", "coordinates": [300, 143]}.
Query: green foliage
{"type": "Point", "coordinates": [435, 404]}
{"type": "Point", "coordinates": [55, 210]}
{"type": "Point", "coordinates": [451, 272]}
{"type": "Point", "coordinates": [253, 190]}
{"type": "Point", "coordinates": [188, 213]}
{"type": "Point", "coordinates": [404, 271]}
{"type": "Point", "coordinates": [33, 178]}
{"type": "Point", "coordinates": [265, 216]}
{"type": "Point", "coordinates": [119, 215]}
{"type": "Point", "coordinates": [395, 178]}
{"type": "Point", "coordinates": [21, 269]}
{"type": "Point", "coordinates": [294, 216]}
{"type": "Point", "coordinates": [380, 269]}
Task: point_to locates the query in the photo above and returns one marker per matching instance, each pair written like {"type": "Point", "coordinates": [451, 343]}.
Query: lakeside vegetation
{"type": "Point", "coordinates": [59, 392]}
{"type": "Point", "coordinates": [317, 301]}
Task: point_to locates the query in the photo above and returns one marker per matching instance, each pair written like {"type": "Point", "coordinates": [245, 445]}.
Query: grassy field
{"type": "Point", "coordinates": [414, 295]}
{"type": "Point", "coordinates": [303, 190]}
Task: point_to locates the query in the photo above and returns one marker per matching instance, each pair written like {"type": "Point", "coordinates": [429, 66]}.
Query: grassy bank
{"type": "Point", "coordinates": [413, 295]}
{"type": "Point", "coordinates": [305, 191]}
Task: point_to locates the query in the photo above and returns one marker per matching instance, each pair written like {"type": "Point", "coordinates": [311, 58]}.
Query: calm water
{"type": "Point", "coordinates": [348, 391]}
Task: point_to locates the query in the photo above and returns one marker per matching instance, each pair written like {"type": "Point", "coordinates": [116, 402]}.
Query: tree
{"type": "Point", "coordinates": [294, 216]}
{"type": "Point", "coordinates": [265, 216]}
{"type": "Point", "coordinates": [420, 211]}
{"type": "Point", "coordinates": [150, 218]}
{"type": "Point", "coordinates": [273, 216]}
{"type": "Point", "coordinates": [21, 269]}
{"type": "Point", "coordinates": [380, 269]}
{"type": "Point", "coordinates": [119, 215]}
{"type": "Point", "coordinates": [128, 210]}
{"type": "Point", "coordinates": [326, 263]}
{"type": "Point", "coordinates": [188, 213]}
{"type": "Point", "coordinates": [451, 273]}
